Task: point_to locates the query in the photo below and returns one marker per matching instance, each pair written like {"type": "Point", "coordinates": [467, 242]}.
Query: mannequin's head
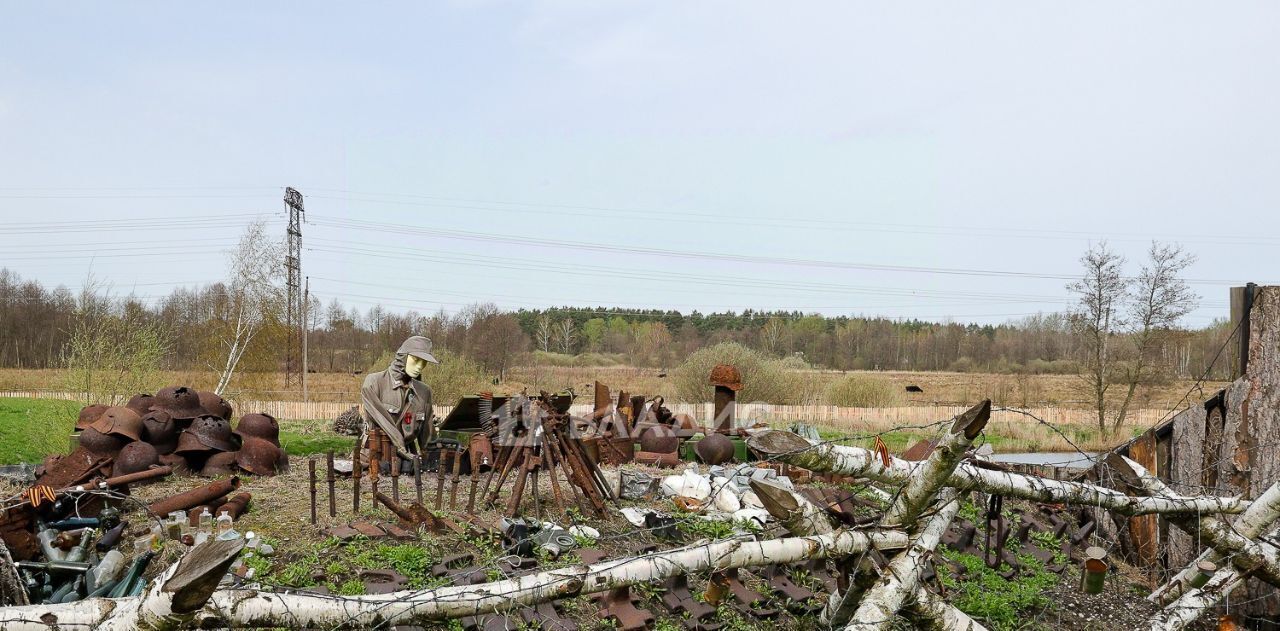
{"type": "Point", "coordinates": [413, 366]}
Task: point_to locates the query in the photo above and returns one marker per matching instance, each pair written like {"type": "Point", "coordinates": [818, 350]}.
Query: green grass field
{"type": "Point", "coordinates": [30, 429]}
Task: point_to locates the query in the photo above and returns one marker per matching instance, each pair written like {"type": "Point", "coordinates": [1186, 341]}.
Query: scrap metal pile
{"type": "Point", "coordinates": [180, 428]}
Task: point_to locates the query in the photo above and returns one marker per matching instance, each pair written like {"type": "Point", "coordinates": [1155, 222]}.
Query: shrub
{"type": "Point", "coordinates": [862, 391]}
{"type": "Point", "coordinates": [764, 379]}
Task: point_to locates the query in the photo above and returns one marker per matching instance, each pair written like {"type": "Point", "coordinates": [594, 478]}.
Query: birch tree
{"type": "Point", "coordinates": [255, 298]}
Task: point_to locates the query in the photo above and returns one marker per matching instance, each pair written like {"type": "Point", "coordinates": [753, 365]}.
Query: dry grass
{"type": "Point", "coordinates": [940, 388]}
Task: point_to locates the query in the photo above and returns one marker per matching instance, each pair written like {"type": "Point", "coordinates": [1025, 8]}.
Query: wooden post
{"type": "Point", "coordinates": [311, 470]}
{"type": "Point", "coordinates": [331, 479]}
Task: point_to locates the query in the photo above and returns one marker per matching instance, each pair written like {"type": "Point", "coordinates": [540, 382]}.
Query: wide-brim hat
{"type": "Point", "coordinates": [180, 402]}
{"type": "Point", "coordinates": [89, 414]}
{"type": "Point", "coordinates": [207, 433]}
{"type": "Point", "coordinates": [159, 429]}
{"type": "Point", "coordinates": [261, 457]}
{"type": "Point", "coordinates": [141, 403]}
{"type": "Point", "coordinates": [259, 425]}
{"type": "Point", "coordinates": [134, 457]}
{"type": "Point", "coordinates": [214, 404]}
{"type": "Point", "coordinates": [418, 346]}
{"type": "Point", "coordinates": [120, 421]}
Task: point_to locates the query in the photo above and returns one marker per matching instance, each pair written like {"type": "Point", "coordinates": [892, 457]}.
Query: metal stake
{"type": "Point", "coordinates": [331, 479]}
{"type": "Point", "coordinates": [311, 468]}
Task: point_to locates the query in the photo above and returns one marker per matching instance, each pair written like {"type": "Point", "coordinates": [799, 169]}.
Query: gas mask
{"type": "Point", "coordinates": [413, 366]}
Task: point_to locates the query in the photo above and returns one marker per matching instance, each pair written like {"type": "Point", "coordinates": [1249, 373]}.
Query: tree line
{"type": "Point", "coordinates": [37, 325]}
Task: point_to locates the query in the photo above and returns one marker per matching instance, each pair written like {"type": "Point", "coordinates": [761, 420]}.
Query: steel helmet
{"type": "Point", "coordinates": [120, 421]}
{"type": "Point", "coordinates": [220, 464]}
{"type": "Point", "coordinates": [180, 402]}
{"type": "Point", "coordinates": [160, 430]}
{"type": "Point", "coordinates": [260, 457]}
{"type": "Point", "coordinates": [89, 414]}
{"type": "Point", "coordinates": [134, 457]}
{"type": "Point", "coordinates": [207, 433]}
{"type": "Point", "coordinates": [100, 444]}
{"type": "Point", "coordinates": [213, 404]}
{"type": "Point", "coordinates": [259, 425]}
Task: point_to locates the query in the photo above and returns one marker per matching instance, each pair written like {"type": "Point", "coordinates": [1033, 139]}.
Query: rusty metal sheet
{"type": "Point", "coordinates": [1144, 530]}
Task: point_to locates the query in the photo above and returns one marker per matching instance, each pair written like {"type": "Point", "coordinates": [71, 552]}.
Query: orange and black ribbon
{"type": "Point", "coordinates": [883, 451]}
{"type": "Point", "coordinates": [39, 494]}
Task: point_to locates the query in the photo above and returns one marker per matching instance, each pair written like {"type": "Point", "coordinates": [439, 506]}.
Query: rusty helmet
{"type": "Point", "coordinates": [159, 429]}
{"type": "Point", "coordinates": [207, 433]}
{"type": "Point", "coordinates": [120, 421]}
{"type": "Point", "coordinates": [259, 425]}
{"type": "Point", "coordinates": [214, 404]}
{"type": "Point", "coordinates": [141, 403]}
{"type": "Point", "coordinates": [726, 375]}
{"type": "Point", "coordinates": [223, 463]}
{"type": "Point", "coordinates": [260, 456]}
{"type": "Point", "coordinates": [134, 457]}
{"type": "Point", "coordinates": [175, 462]}
{"type": "Point", "coordinates": [180, 402]}
{"type": "Point", "coordinates": [659, 439]}
{"type": "Point", "coordinates": [89, 414]}
{"type": "Point", "coordinates": [714, 449]}
{"type": "Point", "coordinates": [100, 444]}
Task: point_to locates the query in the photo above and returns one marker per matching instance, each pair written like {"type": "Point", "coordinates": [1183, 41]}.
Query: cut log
{"type": "Point", "coordinates": [795, 450]}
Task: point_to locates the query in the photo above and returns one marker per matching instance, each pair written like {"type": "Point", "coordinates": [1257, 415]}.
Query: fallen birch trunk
{"type": "Point", "coordinates": [927, 478]}
{"type": "Point", "coordinates": [1257, 519]}
{"type": "Point", "coordinates": [243, 608]}
{"type": "Point", "coordinates": [801, 518]}
{"type": "Point", "coordinates": [900, 580]}
{"type": "Point", "coordinates": [1188, 608]}
{"type": "Point", "coordinates": [795, 450]}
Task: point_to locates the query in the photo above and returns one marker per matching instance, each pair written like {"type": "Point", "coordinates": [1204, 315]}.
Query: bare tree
{"type": "Point", "coordinates": [255, 296]}
{"type": "Point", "coordinates": [771, 335]}
{"type": "Point", "coordinates": [1122, 323]}
{"type": "Point", "coordinates": [566, 335]}
{"type": "Point", "coordinates": [543, 331]}
{"type": "Point", "coordinates": [1160, 298]}
{"type": "Point", "coordinates": [1096, 318]}
{"type": "Point", "coordinates": [114, 350]}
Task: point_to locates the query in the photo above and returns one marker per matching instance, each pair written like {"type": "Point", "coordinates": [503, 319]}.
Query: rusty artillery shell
{"type": "Point", "coordinates": [331, 479]}
{"type": "Point", "coordinates": [208, 494]}
{"type": "Point", "coordinates": [236, 506]}
{"type": "Point", "coordinates": [311, 470]}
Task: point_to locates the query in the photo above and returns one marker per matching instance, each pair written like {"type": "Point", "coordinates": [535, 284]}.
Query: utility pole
{"type": "Point", "coordinates": [293, 265]}
{"type": "Point", "coordinates": [306, 332]}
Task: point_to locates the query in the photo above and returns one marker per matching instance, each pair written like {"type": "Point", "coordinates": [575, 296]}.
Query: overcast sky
{"type": "Point", "coordinates": [941, 161]}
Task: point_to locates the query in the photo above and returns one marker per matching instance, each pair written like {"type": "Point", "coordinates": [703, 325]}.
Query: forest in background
{"type": "Point", "coordinates": [37, 324]}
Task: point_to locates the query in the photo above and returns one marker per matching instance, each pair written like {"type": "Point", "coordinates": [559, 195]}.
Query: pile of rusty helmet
{"type": "Point", "coordinates": [182, 428]}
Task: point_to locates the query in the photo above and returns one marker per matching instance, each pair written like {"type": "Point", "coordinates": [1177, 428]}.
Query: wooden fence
{"type": "Point", "coordinates": [825, 415]}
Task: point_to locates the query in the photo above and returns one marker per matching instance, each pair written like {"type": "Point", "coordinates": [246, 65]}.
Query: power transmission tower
{"type": "Point", "coordinates": [293, 264]}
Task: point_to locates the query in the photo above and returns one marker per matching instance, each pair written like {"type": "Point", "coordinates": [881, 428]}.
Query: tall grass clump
{"type": "Point", "coordinates": [765, 379]}
{"type": "Point", "coordinates": [862, 391]}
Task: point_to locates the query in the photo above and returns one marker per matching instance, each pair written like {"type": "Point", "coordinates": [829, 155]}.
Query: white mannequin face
{"type": "Point", "coordinates": [413, 366]}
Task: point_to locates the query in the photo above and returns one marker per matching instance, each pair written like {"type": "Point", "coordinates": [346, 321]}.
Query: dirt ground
{"type": "Point", "coordinates": [307, 558]}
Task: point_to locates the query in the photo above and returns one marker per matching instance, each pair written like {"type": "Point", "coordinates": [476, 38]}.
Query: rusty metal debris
{"type": "Point", "coordinates": [208, 494]}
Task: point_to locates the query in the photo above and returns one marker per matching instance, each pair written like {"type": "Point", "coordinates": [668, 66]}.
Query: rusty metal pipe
{"type": "Point", "coordinates": [311, 471]}
{"type": "Point", "coordinates": [207, 494]}
{"type": "Point", "coordinates": [140, 476]}
{"type": "Point", "coordinates": [235, 506]}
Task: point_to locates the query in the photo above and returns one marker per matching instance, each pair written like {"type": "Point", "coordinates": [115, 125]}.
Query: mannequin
{"type": "Point", "coordinates": [397, 402]}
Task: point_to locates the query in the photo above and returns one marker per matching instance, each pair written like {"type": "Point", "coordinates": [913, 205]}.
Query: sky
{"type": "Point", "coordinates": [944, 161]}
